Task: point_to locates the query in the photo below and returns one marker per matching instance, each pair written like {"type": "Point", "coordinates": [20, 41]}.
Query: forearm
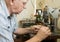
{"type": "Point", "coordinates": [22, 31]}
{"type": "Point", "coordinates": [27, 30]}
{"type": "Point", "coordinates": [43, 33]}
{"type": "Point", "coordinates": [34, 39]}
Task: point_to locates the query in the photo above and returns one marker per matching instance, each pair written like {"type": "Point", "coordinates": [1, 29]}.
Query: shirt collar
{"type": "Point", "coordinates": [3, 4]}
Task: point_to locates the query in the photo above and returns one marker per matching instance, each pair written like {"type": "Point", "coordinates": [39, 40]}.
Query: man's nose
{"type": "Point", "coordinates": [24, 0]}
{"type": "Point", "coordinates": [24, 3]}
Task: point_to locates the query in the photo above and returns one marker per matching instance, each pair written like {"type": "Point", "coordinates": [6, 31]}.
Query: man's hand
{"type": "Point", "coordinates": [43, 33]}
{"type": "Point", "coordinates": [35, 28]}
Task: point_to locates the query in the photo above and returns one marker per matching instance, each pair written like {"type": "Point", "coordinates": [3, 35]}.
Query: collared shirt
{"type": "Point", "coordinates": [7, 24]}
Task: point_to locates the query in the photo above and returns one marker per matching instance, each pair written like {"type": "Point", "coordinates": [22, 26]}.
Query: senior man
{"type": "Point", "coordinates": [8, 24]}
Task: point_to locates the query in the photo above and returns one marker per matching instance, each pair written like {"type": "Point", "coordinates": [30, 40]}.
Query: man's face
{"type": "Point", "coordinates": [18, 5]}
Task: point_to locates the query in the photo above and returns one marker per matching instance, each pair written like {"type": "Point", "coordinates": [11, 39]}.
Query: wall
{"type": "Point", "coordinates": [51, 3]}
{"type": "Point", "coordinates": [40, 4]}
